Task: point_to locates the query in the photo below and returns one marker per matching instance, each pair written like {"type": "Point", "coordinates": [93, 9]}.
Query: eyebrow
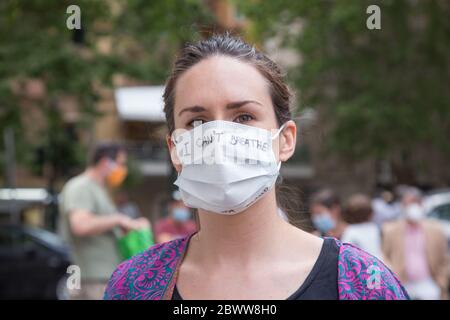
{"type": "Point", "coordinates": [229, 106]}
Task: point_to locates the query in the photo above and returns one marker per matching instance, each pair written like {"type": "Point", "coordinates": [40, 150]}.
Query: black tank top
{"type": "Point", "coordinates": [321, 282]}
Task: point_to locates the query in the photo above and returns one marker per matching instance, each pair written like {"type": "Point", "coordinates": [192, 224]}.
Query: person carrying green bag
{"type": "Point", "coordinates": [91, 223]}
{"type": "Point", "coordinates": [135, 242]}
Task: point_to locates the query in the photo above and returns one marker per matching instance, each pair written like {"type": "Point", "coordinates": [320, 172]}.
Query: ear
{"type": "Point", "coordinates": [288, 140]}
{"type": "Point", "coordinates": [173, 153]}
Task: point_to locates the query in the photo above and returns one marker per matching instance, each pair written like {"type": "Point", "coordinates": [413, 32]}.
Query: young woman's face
{"type": "Point", "coordinates": [224, 88]}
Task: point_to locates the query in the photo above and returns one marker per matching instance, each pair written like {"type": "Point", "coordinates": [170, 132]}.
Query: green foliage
{"type": "Point", "coordinates": [35, 43]}
{"type": "Point", "coordinates": [160, 29]}
{"type": "Point", "coordinates": [383, 91]}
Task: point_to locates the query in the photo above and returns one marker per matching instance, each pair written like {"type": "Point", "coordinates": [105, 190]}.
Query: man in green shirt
{"type": "Point", "coordinates": [90, 222]}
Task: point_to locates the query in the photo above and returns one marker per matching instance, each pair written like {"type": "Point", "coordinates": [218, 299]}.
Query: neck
{"type": "Point", "coordinates": [412, 223]}
{"type": "Point", "coordinates": [95, 175]}
{"type": "Point", "coordinates": [256, 232]}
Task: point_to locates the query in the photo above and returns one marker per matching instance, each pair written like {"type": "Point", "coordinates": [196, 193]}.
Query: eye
{"type": "Point", "coordinates": [195, 122]}
{"type": "Point", "coordinates": [244, 118]}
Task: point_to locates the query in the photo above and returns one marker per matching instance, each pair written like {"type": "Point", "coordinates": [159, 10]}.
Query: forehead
{"type": "Point", "coordinates": [220, 79]}
{"type": "Point", "coordinates": [318, 207]}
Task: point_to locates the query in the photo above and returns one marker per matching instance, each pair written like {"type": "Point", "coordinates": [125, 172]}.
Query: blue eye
{"type": "Point", "coordinates": [243, 118]}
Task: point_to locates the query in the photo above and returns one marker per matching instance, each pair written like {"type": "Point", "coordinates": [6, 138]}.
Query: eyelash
{"type": "Point", "coordinates": [191, 123]}
{"type": "Point", "coordinates": [245, 115]}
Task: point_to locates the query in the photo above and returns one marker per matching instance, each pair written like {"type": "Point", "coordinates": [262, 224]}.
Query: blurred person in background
{"type": "Point", "coordinates": [325, 208]}
{"type": "Point", "coordinates": [417, 249]}
{"type": "Point", "coordinates": [90, 222]}
{"type": "Point", "coordinates": [126, 206]}
{"type": "Point", "coordinates": [177, 224]}
{"type": "Point", "coordinates": [361, 231]}
{"type": "Point", "coordinates": [385, 208]}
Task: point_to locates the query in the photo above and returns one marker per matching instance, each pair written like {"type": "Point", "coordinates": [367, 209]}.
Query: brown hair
{"type": "Point", "coordinates": [325, 197]}
{"type": "Point", "coordinates": [104, 150]}
{"type": "Point", "coordinates": [357, 209]}
{"type": "Point", "coordinates": [227, 45]}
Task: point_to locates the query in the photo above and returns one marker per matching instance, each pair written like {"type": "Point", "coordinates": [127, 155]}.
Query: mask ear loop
{"type": "Point", "coordinates": [174, 138]}
{"type": "Point", "coordinates": [276, 136]}
{"type": "Point", "coordinates": [175, 141]}
{"type": "Point", "coordinates": [279, 131]}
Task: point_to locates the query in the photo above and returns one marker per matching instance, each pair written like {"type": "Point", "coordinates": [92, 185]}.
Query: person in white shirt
{"type": "Point", "coordinates": [361, 231]}
{"type": "Point", "coordinates": [385, 208]}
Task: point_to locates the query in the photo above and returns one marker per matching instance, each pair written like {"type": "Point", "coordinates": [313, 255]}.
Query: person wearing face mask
{"type": "Point", "coordinates": [361, 230]}
{"type": "Point", "coordinates": [417, 250]}
{"type": "Point", "coordinates": [90, 222]}
{"type": "Point", "coordinates": [325, 209]}
{"type": "Point", "coordinates": [230, 128]}
{"type": "Point", "coordinates": [177, 224]}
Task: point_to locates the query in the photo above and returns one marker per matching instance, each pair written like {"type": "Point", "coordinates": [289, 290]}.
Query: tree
{"type": "Point", "coordinates": [383, 93]}
{"type": "Point", "coordinates": [39, 53]}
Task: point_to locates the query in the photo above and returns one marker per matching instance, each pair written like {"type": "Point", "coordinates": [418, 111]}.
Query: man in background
{"type": "Point", "coordinates": [417, 250]}
{"type": "Point", "coordinates": [90, 222]}
{"type": "Point", "coordinates": [361, 230]}
{"type": "Point", "coordinates": [325, 208]}
{"type": "Point", "coordinates": [177, 224]}
{"type": "Point", "coordinates": [385, 208]}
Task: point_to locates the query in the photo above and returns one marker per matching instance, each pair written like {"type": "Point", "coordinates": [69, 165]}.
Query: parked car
{"type": "Point", "coordinates": [437, 206]}
{"type": "Point", "coordinates": [33, 263]}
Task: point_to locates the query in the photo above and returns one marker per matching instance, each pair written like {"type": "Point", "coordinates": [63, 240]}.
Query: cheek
{"type": "Point", "coordinates": [174, 158]}
{"type": "Point", "coordinates": [277, 143]}
{"type": "Point", "coordinates": [276, 148]}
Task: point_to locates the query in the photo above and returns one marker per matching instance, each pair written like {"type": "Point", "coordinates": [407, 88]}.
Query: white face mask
{"type": "Point", "coordinates": [414, 212]}
{"type": "Point", "coordinates": [226, 166]}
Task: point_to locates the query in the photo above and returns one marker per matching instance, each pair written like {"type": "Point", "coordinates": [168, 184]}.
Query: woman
{"type": "Point", "coordinates": [221, 102]}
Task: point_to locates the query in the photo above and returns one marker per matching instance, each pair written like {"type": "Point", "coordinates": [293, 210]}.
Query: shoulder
{"type": "Point", "coordinates": [362, 276]}
{"type": "Point", "coordinates": [436, 232]}
{"type": "Point", "coordinates": [350, 230]}
{"type": "Point", "coordinates": [433, 225]}
{"type": "Point", "coordinates": [162, 225]}
{"type": "Point", "coordinates": [392, 226]}
{"type": "Point", "coordinates": [146, 275]}
{"type": "Point", "coordinates": [79, 182]}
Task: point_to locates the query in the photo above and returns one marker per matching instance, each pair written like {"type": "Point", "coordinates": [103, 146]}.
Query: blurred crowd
{"type": "Point", "coordinates": [393, 227]}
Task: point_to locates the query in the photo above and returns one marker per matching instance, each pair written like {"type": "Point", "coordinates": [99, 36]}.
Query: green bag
{"type": "Point", "coordinates": [135, 242]}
